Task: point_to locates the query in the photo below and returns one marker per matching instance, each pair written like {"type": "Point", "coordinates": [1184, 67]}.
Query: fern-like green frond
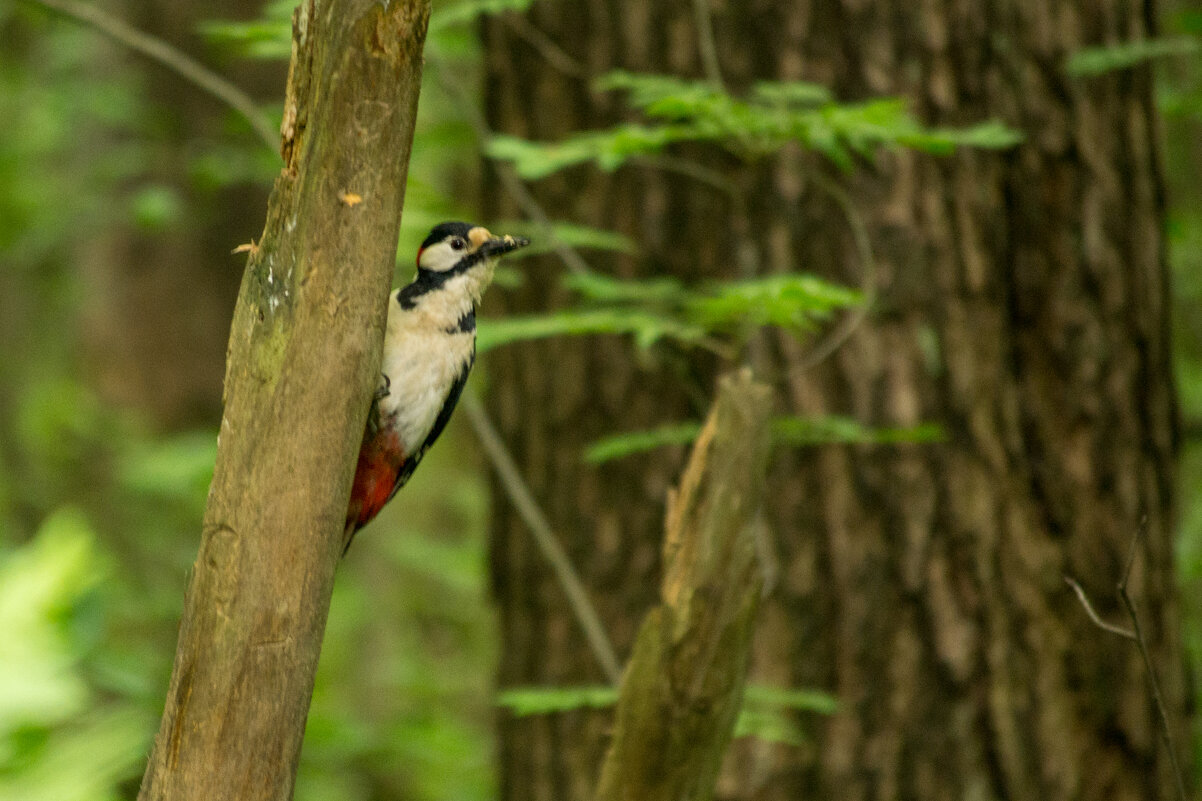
{"type": "Point", "coordinates": [646, 328]}
{"type": "Point", "coordinates": [773, 115]}
{"type": "Point", "coordinates": [793, 431]}
{"type": "Point", "coordinates": [1092, 61]}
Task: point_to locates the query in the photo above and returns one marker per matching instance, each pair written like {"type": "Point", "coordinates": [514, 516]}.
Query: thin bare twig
{"type": "Point", "coordinates": [1136, 635]}
{"type": "Point", "coordinates": [170, 57]}
{"type": "Point", "coordinates": [1166, 730]}
{"type": "Point", "coordinates": [706, 43]}
{"type": "Point", "coordinates": [1093, 615]}
{"type": "Point", "coordinates": [552, 53]}
{"type": "Point", "coordinates": [842, 332]}
{"type": "Point", "coordinates": [527, 507]}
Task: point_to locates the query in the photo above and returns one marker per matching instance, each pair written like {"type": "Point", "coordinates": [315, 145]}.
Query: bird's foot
{"type": "Point", "coordinates": [383, 390]}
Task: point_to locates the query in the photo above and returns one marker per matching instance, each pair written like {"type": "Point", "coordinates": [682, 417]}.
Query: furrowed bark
{"type": "Point", "coordinates": [1022, 305]}
{"type": "Point", "coordinates": [302, 362]}
{"type": "Point", "coordinates": [683, 687]}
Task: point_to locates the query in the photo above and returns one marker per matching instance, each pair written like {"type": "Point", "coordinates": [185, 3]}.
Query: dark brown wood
{"type": "Point", "coordinates": [683, 687]}
{"type": "Point", "coordinates": [1022, 305]}
{"type": "Point", "coordinates": [303, 357]}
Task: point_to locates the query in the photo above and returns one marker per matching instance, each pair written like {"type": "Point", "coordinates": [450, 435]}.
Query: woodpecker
{"type": "Point", "coordinates": [429, 348]}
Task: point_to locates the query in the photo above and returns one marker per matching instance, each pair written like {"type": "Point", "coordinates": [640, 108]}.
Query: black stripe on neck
{"type": "Point", "coordinates": [431, 280]}
{"type": "Point", "coordinates": [465, 325]}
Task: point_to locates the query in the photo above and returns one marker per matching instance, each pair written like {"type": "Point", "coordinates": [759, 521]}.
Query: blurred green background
{"type": "Point", "coordinates": [122, 192]}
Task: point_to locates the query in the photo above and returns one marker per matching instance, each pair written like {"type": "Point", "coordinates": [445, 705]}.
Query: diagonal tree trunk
{"type": "Point", "coordinates": [1021, 304]}
{"type": "Point", "coordinates": [303, 360]}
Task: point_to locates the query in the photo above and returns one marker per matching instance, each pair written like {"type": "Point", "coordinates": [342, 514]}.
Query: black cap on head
{"type": "Point", "coordinates": [444, 230]}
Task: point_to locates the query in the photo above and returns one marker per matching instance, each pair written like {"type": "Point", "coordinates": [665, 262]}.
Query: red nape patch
{"type": "Point", "coordinates": [420, 251]}
{"type": "Point", "coordinates": [380, 461]}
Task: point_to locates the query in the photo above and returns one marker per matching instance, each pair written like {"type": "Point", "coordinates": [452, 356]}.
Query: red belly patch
{"type": "Point", "coordinates": [380, 461]}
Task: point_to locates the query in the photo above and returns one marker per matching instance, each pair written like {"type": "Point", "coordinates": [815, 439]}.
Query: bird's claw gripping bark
{"type": "Point", "coordinates": [383, 390]}
{"type": "Point", "coordinates": [373, 413]}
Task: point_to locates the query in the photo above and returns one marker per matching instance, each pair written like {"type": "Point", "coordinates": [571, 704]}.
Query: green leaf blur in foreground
{"type": "Point", "coordinates": [773, 115]}
{"type": "Point", "coordinates": [796, 431]}
{"type": "Point", "coordinates": [765, 712]}
{"type": "Point", "coordinates": [57, 743]}
{"type": "Point", "coordinates": [1093, 61]}
{"type": "Point", "coordinates": [38, 585]}
{"type": "Point", "coordinates": [660, 309]}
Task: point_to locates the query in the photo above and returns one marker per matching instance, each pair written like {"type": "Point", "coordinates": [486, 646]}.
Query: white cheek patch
{"type": "Point", "coordinates": [439, 257]}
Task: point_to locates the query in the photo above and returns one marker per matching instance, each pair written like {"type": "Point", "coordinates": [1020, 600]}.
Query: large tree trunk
{"type": "Point", "coordinates": [303, 361]}
{"type": "Point", "coordinates": [1022, 305]}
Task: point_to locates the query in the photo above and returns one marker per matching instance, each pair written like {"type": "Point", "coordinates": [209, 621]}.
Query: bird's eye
{"type": "Point", "coordinates": [458, 243]}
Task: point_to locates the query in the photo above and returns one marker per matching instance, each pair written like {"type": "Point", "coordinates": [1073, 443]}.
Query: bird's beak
{"type": "Point", "coordinates": [496, 246]}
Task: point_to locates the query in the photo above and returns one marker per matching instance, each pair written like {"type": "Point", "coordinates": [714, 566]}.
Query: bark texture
{"type": "Point", "coordinates": [303, 360]}
{"type": "Point", "coordinates": [682, 690]}
{"type": "Point", "coordinates": [1021, 303]}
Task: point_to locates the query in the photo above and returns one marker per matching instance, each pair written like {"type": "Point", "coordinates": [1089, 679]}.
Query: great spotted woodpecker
{"type": "Point", "coordinates": [429, 348]}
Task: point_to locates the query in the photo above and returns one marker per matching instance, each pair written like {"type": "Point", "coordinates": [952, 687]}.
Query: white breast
{"type": "Point", "coordinates": [422, 360]}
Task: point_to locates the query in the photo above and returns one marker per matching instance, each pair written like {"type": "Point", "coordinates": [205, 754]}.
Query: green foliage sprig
{"type": "Point", "coordinates": [60, 740]}
{"type": "Point", "coordinates": [794, 431]}
{"type": "Point", "coordinates": [773, 115]}
{"type": "Point", "coordinates": [766, 711]}
{"type": "Point", "coordinates": [663, 308]}
{"type": "Point", "coordinates": [1091, 61]}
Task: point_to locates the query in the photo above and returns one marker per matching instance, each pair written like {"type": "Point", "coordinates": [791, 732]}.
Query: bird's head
{"type": "Point", "coordinates": [459, 248]}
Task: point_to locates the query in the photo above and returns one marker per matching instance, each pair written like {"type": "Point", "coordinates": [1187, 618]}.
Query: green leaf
{"type": "Point", "coordinates": [791, 698]}
{"type": "Point", "coordinates": [791, 93]}
{"type": "Point", "coordinates": [620, 445]}
{"type": "Point", "coordinates": [992, 135]}
{"type": "Point", "coordinates": [82, 762]}
{"type": "Point", "coordinates": [657, 309]}
{"type": "Point", "coordinates": [769, 725]}
{"type": "Point", "coordinates": [764, 713]}
{"type": "Point", "coordinates": [801, 431]}
{"type": "Point", "coordinates": [39, 584]}
{"type": "Point", "coordinates": [774, 115]}
{"type": "Point", "coordinates": [268, 37]}
{"type": "Point", "coordinates": [526, 701]}
{"type": "Point", "coordinates": [646, 328]}
{"type": "Point", "coordinates": [470, 10]}
{"type": "Point", "coordinates": [533, 160]}
{"type": "Point", "coordinates": [604, 289]}
{"type": "Point", "coordinates": [794, 431]}
{"type": "Point", "coordinates": [792, 301]}
{"type": "Point", "coordinates": [1092, 61]}
{"type": "Point", "coordinates": [588, 238]}
{"type": "Point", "coordinates": [646, 90]}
